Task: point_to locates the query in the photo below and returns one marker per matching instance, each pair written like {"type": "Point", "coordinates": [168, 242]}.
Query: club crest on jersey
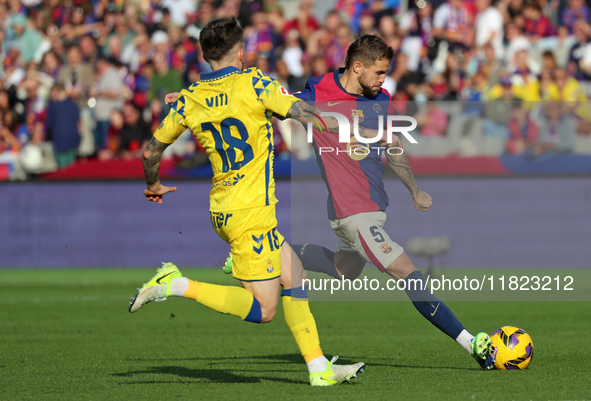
{"type": "Point", "coordinates": [358, 113]}
{"type": "Point", "coordinates": [385, 248]}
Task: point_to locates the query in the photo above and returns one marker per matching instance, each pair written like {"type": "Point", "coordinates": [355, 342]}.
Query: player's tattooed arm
{"type": "Point", "coordinates": [302, 111]}
{"type": "Point", "coordinates": [151, 157]}
{"type": "Point", "coordinates": [401, 166]}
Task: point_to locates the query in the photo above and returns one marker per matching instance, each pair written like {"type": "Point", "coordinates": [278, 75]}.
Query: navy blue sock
{"type": "Point", "coordinates": [317, 259]}
{"type": "Point", "coordinates": [430, 306]}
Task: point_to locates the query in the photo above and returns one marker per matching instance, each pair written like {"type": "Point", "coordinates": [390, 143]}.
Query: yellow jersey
{"type": "Point", "coordinates": [229, 112]}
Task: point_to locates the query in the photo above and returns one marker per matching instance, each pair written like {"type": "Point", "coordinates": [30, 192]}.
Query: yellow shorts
{"type": "Point", "coordinates": [255, 241]}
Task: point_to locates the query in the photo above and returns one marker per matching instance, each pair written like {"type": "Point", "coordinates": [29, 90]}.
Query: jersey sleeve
{"type": "Point", "coordinates": [272, 94]}
{"type": "Point", "coordinates": [174, 124]}
{"type": "Point", "coordinates": [308, 94]}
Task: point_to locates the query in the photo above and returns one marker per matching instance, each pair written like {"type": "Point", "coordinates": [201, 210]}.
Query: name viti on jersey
{"type": "Point", "coordinates": [218, 100]}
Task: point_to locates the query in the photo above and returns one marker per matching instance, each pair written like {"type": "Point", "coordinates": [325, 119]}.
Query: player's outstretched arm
{"type": "Point", "coordinates": [401, 166]}
{"type": "Point", "coordinates": [301, 111]}
{"type": "Point", "coordinates": [151, 157]}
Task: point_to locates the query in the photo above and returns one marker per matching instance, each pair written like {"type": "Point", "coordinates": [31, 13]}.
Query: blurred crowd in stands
{"type": "Point", "coordinates": [87, 78]}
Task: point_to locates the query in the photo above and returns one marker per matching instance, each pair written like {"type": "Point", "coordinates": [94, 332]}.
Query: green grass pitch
{"type": "Point", "coordinates": [67, 335]}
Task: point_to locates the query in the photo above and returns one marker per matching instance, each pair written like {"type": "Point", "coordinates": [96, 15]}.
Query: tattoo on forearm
{"type": "Point", "coordinates": [151, 160]}
{"type": "Point", "coordinates": [401, 166]}
{"type": "Point", "coordinates": [301, 111]}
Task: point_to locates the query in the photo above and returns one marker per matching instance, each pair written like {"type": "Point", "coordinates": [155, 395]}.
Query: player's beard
{"type": "Point", "coordinates": [366, 88]}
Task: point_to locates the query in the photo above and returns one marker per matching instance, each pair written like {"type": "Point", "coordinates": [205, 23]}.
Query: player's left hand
{"type": "Point", "coordinates": [422, 201]}
{"type": "Point", "coordinates": [156, 192]}
{"type": "Point", "coordinates": [171, 98]}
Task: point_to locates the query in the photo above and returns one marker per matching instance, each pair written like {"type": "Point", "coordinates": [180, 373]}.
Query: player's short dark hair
{"type": "Point", "coordinates": [368, 49]}
{"type": "Point", "coordinates": [219, 36]}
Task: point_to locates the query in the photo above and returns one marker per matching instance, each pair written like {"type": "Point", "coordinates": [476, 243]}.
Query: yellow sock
{"type": "Point", "coordinates": [300, 321]}
{"type": "Point", "coordinates": [226, 299]}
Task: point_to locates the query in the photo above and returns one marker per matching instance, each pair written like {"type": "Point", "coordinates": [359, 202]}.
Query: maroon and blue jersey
{"type": "Point", "coordinates": [354, 181]}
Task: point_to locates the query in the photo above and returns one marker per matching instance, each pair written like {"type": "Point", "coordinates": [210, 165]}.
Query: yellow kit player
{"type": "Point", "coordinates": [229, 111]}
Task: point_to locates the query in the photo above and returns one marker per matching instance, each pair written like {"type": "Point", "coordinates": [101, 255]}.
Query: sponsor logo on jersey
{"type": "Point", "coordinates": [229, 182]}
{"type": "Point", "coordinates": [237, 178]}
{"type": "Point", "coordinates": [219, 219]}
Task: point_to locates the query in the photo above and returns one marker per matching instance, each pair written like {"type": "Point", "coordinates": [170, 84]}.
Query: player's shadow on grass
{"type": "Point", "coordinates": [297, 359]}
{"type": "Point", "coordinates": [370, 362]}
{"type": "Point", "coordinates": [210, 375]}
{"type": "Point", "coordinates": [280, 358]}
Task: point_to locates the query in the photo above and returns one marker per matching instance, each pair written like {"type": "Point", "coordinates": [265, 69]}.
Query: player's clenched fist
{"type": "Point", "coordinates": [422, 201]}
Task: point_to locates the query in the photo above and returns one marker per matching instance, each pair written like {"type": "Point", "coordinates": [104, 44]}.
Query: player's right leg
{"type": "Point", "coordinates": [303, 326]}
{"type": "Point", "coordinates": [256, 250]}
{"type": "Point", "coordinates": [364, 232]}
{"type": "Point", "coordinates": [267, 294]}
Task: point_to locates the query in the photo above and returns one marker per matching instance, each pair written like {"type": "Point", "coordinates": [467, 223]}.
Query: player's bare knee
{"type": "Point", "coordinates": [268, 310]}
{"type": "Point", "coordinates": [267, 314]}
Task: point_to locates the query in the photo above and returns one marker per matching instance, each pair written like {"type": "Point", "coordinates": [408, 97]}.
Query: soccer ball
{"type": "Point", "coordinates": [513, 348]}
